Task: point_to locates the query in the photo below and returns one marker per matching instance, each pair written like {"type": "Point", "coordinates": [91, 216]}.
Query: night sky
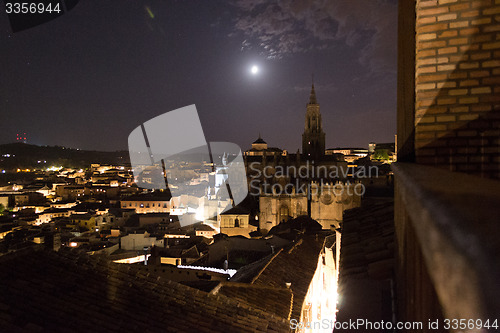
{"type": "Point", "coordinates": [87, 79]}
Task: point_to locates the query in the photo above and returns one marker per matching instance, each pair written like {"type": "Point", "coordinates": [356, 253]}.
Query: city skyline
{"type": "Point", "coordinates": [265, 187]}
{"type": "Point", "coordinates": [102, 70]}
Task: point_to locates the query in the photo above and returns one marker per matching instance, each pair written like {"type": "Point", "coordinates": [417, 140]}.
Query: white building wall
{"type": "Point", "coordinates": [139, 241]}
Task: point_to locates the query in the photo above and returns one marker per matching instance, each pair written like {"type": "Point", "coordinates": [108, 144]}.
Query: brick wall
{"type": "Point", "coordinates": [457, 85]}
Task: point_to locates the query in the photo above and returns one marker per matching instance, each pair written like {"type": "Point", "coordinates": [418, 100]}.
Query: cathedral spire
{"type": "Point", "coordinates": [313, 139]}
{"type": "Point", "coordinates": [312, 97]}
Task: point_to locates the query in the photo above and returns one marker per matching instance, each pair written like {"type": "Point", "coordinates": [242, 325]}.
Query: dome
{"type": "Point", "coordinates": [260, 141]}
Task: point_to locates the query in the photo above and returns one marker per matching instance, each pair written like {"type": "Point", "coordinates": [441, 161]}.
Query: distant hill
{"type": "Point", "coordinates": [22, 155]}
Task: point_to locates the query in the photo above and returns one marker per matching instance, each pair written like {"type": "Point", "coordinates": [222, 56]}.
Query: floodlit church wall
{"type": "Point", "coordinates": [327, 205]}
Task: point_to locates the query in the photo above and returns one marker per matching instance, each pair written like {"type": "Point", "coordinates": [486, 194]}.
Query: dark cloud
{"type": "Point", "coordinates": [281, 27]}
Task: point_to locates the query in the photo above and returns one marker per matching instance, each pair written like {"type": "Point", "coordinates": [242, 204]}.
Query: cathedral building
{"type": "Point", "coordinates": [292, 185]}
{"type": "Point", "coordinates": [324, 203]}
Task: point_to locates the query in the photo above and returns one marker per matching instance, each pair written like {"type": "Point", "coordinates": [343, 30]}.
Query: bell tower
{"type": "Point", "coordinates": [313, 139]}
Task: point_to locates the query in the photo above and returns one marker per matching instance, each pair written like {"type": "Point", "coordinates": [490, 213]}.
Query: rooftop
{"type": "Point", "coordinates": [367, 261]}
{"type": "Point", "coordinates": [277, 301]}
{"type": "Point", "coordinates": [295, 265]}
{"type": "Point", "coordinates": [46, 291]}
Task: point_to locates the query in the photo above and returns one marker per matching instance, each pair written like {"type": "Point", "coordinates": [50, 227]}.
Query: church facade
{"type": "Point", "coordinates": [323, 202]}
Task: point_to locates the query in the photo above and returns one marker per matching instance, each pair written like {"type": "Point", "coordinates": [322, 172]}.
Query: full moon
{"type": "Point", "coordinates": [254, 70]}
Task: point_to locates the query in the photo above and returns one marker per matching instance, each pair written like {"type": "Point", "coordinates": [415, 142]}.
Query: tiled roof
{"type": "Point", "coordinates": [295, 265]}
{"type": "Point", "coordinates": [259, 140]}
{"type": "Point", "coordinates": [203, 227]}
{"type": "Point", "coordinates": [55, 210]}
{"type": "Point", "coordinates": [46, 291]}
{"type": "Point", "coordinates": [148, 197]}
{"type": "Point", "coordinates": [277, 301]}
{"type": "Point", "coordinates": [367, 246]}
{"type": "Point", "coordinates": [80, 217]}
{"type": "Point", "coordinates": [299, 224]}
{"type": "Point", "coordinates": [236, 211]}
{"type": "Point", "coordinates": [249, 272]}
{"type": "Point", "coordinates": [367, 261]}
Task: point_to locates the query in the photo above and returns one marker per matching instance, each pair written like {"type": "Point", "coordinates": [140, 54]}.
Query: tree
{"type": "Point", "coordinates": [381, 154]}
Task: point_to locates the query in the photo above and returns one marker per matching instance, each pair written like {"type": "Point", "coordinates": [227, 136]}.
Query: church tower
{"type": "Point", "coordinates": [313, 139]}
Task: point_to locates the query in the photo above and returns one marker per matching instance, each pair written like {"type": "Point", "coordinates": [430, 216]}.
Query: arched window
{"type": "Point", "coordinates": [236, 223]}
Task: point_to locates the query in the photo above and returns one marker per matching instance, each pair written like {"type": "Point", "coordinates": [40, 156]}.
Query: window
{"type": "Point", "coordinates": [298, 209]}
{"type": "Point", "coordinates": [283, 214]}
{"type": "Point", "coordinates": [306, 313]}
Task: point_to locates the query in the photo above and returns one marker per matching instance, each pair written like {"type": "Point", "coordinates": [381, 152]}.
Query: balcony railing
{"type": "Point", "coordinates": [448, 244]}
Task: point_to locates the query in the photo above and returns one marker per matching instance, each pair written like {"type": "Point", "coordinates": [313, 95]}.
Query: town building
{"type": "Point", "coordinates": [236, 221]}
{"type": "Point", "coordinates": [146, 203]}
{"type": "Point", "coordinates": [260, 148]}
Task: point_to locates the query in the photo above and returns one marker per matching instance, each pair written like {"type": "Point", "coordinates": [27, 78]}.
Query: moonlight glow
{"type": "Point", "coordinates": [254, 70]}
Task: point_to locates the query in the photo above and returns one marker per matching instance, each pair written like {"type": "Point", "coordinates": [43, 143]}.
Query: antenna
{"type": "Point", "coordinates": [21, 137]}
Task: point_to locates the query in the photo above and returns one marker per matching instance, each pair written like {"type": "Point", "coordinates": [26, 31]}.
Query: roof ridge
{"type": "Point", "coordinates": [249, 285]}
{"type": "Point", "coordinates": [265, 266]}
{"type": "Point", "coordinates": [295, 245]}
{"type": "Point", "coordinates": [291, 305]}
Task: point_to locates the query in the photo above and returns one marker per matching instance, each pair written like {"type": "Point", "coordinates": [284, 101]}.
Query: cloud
{"type": "Point", "coordinates": [282, 27]}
